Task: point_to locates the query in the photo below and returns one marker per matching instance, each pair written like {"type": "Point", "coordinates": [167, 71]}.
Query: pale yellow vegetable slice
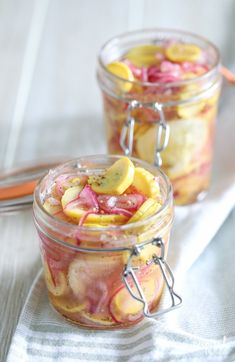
{"type": "Point", "coordinates": [146, 183]}
{"type": "Point", "coordinates": [123, 71]}
{"type": "Point", "coordinates": [70, 195]}
{"type": "Point", "coordinates": [93, 220]}
{"type": "Point", "coordinates": [66, 307]}
{"type": "Point", "coordinates": [148, 208]}
{"type": "Point", "coordinates": [187, 137]}
{"type": "Point", "coordinates": [123, 307]}
{"type": "Point", "coordinates": [179, 52]}
{"type": "Point", "coordinates": [105, 219]}
{"type": "Point", "coordinates": [85, 269]}
{"type": "Point", "coordinates": [60, 286]}
{"type": "Point", "coordinates": [116, 180]}
{"type": "Point", "coordinates": [96, 318]}
{"type": "Point", "coordinates": [144, 55]}
{"type": "Point", "coordinates": [190, 110]}
{"type": "Point", "coordinates": [146, 144]}
{"type": "Point", "coordinates": [51, 208]}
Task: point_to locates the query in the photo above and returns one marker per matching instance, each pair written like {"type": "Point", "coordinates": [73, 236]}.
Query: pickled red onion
{"type": "Point", "coordinates": [119, 211]}
{"type": "Point", "coordinates": [60, 183]}
{"type": "Point", "coordinates": [169, 67]}
{"type": "Point", "coordinates": [122, 205]}
{"type": "Point", "coordinates": [144, 74]}
{"type": "Point", "coordinates": [135, 70]}
{"type": "Point", "coordinates": [85, 215]}
{"type": "Point", "coordinates": [86, 200]}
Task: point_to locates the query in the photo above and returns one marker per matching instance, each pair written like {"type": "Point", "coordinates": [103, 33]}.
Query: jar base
{"type": "Point", "coordinates": [92, 326]}
{"type": "Point", "coordinates": [110, 326]}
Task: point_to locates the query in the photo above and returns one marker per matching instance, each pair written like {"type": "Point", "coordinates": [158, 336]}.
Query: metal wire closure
{"type": "Point", "coordinates": [162, 135]}
{"type": "Point", "coordinates": [167, 274]}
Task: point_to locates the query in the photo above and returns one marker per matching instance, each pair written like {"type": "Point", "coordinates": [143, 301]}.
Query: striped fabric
{"type": "Point", "coordinates": [42, 335]}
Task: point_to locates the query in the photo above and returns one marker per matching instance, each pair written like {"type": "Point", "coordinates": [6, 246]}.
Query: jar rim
{"type": "Point", "coordinates": [72, 227]}
{"type": "Point", "coordinates": [214, 69]}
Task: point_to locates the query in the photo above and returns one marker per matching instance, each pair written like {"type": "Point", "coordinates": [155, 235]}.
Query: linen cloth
{"type": "Point", "coordinates": [203, 329]}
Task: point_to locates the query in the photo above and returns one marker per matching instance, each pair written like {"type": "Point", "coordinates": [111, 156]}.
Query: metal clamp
{"type": "Point", "coordinates": [129, 273]}
{"type": "Point", "coordinates": [162, 136]}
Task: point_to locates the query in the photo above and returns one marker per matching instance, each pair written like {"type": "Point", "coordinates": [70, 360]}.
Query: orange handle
{"type": "Point", "coordinates": [228, 75]}
{"type": "Point", "coordinates": [23, 189]}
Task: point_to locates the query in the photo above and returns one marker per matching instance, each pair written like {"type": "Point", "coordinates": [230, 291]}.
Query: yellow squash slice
{"type": "Point", "coordinates": [51, 208]}
{"type": "Point", "coordinates": [186, 138]}
{"type": "Point", "coordinates": [70, 194]}
{"type": "Point", "coordinates": [144, 55]}
{"type": "Point", "coordinates": [123, 71]}
{"type": "Point", "coordinates": [116, 180]}
{"type": "Point", "coordinates": [124, 307]}
{"type": "Point", "coordinates": [148, 208]}
{"type": "Point", "coordinates": [146, 183]}
{"type": "Point", "coordinates": [66, 307]}
{"type": "Point", "coordinates": [96, 318]}
{"type": "Point", "coordinates": [179, 52]}
{"type": "Point", "coordinates": [105, 219]}
{"type": "Point", "coordinates": [60, 286]}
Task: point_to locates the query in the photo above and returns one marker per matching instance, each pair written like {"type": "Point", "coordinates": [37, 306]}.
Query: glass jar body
{"type": "Point", "coordinates": [84, 269]}
{"type": "Point", "coordinates": [189, 107]}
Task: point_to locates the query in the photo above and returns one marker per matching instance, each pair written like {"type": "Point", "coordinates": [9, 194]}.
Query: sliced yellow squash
{"type": "Point", "coordinates": [180, 52]}
{"type": "Point", "coordinates": [144, 55]}
{"type": "Point", "coordinates": [190, 110]}
{"type": "Point", "coordinates": [50, 208]}
{"type": "Point", "coordinates": [145, 182]}
{"type": "Point", "coordinates": [64, 306]}
{"type": "Point", "coordinates": [146, 143]}
{"type": "Point", "coordinates": [148, 208]}
{"type": "Point", "coordinates": [104, 320]}
{"type": "Point", "coordinates": [70, 195]}
{"type": "Point", "coordinates": [116, 180]}
{"type": "Point", "coordinates": [124, 307]}
{"type": "Point", "coordinates": [123, 71]}
{"type": "Point", "coordinates": [60, 286]}
{"type": "Point", "coordinates": [187, 136]}
{"type": "Point", "coordinates": [105, 219]}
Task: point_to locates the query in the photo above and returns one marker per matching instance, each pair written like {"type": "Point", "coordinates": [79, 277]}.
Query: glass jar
{"type": "Point", "coordinates": [109, 277]}
{"type": "Point", "coordinates": [172, 123]}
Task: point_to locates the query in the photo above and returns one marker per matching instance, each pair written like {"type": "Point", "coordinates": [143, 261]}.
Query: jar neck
{"type": "Point", "coordinates": [168, 95]}
{"type": "Point", "coordinates": [71, 235]}
{"type": "Point", "coordinates": [106, 241]}
{"type": "Point", "coordinates": [165, 93]}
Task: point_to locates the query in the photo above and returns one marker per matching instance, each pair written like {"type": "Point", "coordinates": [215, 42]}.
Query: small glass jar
{"type": "Point", "coordinates": [109, 277]}
{"type": "Point", "coordinates": [172, 122]}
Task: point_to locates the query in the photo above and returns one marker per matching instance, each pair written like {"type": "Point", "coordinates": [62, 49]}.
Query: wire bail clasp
{"type": "Point", "coordinates": [127, 132]}
{"type": "Point", "coordinates": [162, 136]}
{"type": "Point", "coordinates": [162, 130]}
{"type": "Point", "coordinates": [137, 292]}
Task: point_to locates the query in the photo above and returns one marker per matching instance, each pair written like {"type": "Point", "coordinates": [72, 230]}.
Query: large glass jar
{"type": "Point", "coordinates": [109, 277]}
{"type": "Point", "coordinates": [172, 121]}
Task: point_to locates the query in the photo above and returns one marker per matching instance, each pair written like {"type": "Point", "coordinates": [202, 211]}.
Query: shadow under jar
{"type": "Point", "coordinates": [109, 277]}
{"type": "Point", "coordinates": [163, 109]}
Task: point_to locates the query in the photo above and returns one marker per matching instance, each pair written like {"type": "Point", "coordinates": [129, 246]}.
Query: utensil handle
{"type": "Point", "coordinates": [19, 190]}
{"type": "Point", "coordinates": [228, 75]}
